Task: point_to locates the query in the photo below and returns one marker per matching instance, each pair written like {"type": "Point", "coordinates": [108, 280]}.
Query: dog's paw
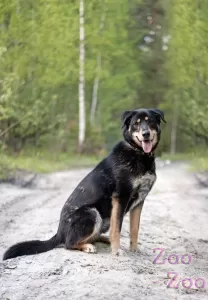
{"type": "Point", "coordinates": [89, 248]}
{"type": "Point", "coordinates": [118, 252]}
{"type": "Point", "coordinates": [134, 248]}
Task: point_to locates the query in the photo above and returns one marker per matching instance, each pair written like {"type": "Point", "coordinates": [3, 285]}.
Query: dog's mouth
{"type": "Point", "coordinates": [146, 144]}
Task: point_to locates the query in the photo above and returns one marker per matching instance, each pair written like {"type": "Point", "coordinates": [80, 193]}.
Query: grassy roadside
{"type": "Point", "coordinates": [43, 162]}
{"type": "Point", "coordinates": [47, 162]}
{"type": "Point", "coordinates": [198, 161]}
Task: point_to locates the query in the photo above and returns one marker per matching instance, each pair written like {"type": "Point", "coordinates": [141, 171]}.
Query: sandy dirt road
{"type": "Point", "coordinates": [175, 218]}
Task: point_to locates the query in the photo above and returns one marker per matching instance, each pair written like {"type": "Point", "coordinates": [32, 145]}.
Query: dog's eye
{"type": "Point", "coordinates": [150, 121]}
{"type": "Point", "coordinates": [138, 121]}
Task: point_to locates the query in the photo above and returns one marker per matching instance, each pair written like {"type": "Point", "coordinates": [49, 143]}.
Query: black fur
{"type": "Point", "coordinates": [30, 247]}
{"type": "Point", "coordinates": [89, 207]}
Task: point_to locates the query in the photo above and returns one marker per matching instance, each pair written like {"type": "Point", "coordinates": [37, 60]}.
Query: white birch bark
{"type": "Point", "coordinates": [82, 113]}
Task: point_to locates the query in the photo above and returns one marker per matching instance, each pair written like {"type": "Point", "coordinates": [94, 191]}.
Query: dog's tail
{"type": "Point", "coordinates": [31, 247]}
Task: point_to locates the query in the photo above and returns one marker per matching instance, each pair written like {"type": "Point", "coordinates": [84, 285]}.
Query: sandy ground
{"type": "Point", "coordinates": [175, 218]}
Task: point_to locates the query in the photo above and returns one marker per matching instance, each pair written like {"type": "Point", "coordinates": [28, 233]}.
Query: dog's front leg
{"type": "Point", "coordinates": [117, 215]}
{"type": "Point", "coordinates": [135, 215]}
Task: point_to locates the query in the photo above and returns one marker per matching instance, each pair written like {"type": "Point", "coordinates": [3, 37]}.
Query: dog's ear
{"type": "Point", "coordinates": [126, 117]}
{"type": "Point", "coordinates": [159, 114]}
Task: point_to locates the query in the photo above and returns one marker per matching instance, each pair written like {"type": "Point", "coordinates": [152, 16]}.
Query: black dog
{"type": "Point", "coordinates": [118, 184]}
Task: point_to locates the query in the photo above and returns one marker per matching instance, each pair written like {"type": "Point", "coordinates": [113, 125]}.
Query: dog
{"type": "Point", "coordinates": [117, 185]}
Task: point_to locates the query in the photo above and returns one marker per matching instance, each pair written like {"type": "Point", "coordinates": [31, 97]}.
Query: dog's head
{"type": "Point", "coordinates": [141, 128]}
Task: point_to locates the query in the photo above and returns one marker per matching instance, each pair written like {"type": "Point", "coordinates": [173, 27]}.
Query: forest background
{"type": "Point", "coordinates": [68, 69]}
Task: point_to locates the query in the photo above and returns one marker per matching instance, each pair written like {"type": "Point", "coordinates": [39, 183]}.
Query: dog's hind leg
{"type": "Point", "coordinates": [88, 248]}
{"type": "Point", "coordinates": [102, 239]}
{"type": "Point", "coordinates": [84, 229]}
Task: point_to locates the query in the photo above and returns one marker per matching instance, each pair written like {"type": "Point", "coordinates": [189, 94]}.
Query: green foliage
{"type": "Point", "coordinates": [40, 68]}
{"type": "Point", "coordinates": [153, 54]}
{"type": "Point", "coordinates": [43, 162]}
{"type": "Point", "coordinates": [187, 67]}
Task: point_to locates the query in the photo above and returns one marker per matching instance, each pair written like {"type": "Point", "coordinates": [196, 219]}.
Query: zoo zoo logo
{"type": "Point", "coordinates": [174, 259]}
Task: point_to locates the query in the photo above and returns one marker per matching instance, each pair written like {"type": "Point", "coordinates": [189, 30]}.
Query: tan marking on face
{"type": "Point", "coordinates": [153, 136]}
{"type": "Point", "coordinates": [138, 121]}
{"type": "Point", "coordinates": [138, 137]}
{"type": "Point", "coordinates": [146, 118]}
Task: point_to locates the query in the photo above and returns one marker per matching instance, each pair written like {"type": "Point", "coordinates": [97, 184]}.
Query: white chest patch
{"type": "Point", "coordinates": [147, 179]}
{"type": "Point", "coordinates": [143, 185]}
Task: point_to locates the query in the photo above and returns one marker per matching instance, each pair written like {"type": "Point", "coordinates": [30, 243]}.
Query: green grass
{"type": "Point", "coordinates": [200, 164]}
{"type": "Point", "coordinates": [48, 161]}
{"type": "Point", "coordinates": [198, 160]}
{"type": "Point", "coordinates": [43, 162]}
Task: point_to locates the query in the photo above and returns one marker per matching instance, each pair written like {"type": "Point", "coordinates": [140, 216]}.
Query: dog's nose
{"type": "Point", "coordinates": [146, 134]}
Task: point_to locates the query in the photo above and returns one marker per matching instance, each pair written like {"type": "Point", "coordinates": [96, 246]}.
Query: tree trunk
{"type": "Point", "coordinates": [174, 128]}
{"type": "Point", "coordinates": [82, 113]}
{"type": "Point", "coordinates": [95, 90]}
{"type": "Point", "coordinates": [97, 79]}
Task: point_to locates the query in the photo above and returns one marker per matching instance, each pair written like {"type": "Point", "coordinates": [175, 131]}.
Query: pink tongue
{"type": "Point", "coordinates": [147, 146]}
